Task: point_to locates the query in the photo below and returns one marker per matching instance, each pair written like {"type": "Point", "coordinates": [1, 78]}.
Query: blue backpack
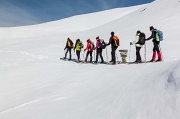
{"type": "Point", "coordinates": [160, 34]}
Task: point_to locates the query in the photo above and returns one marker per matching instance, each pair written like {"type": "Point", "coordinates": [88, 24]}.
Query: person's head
{"type": "Point", "coordinates": [112, 33]}
{"type": "Point", "coordinates": [138, 32]}
{"type": "Point", "coordinates": [151, 28]}
{"type": "Point", "coordinates": [78, 40]}
{"type": "Point", "coordinates": [68, 39]}
{"type": "Point", "coordinates": [89, 41]}
{"type": "Point", "coordinates": [97, 38]}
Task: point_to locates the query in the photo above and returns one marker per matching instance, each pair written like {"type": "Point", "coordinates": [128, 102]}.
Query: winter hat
{"type": "Point", "coordinates": [151, 28]}
{"type": "Point", "coordinates": [112, 33]}
{"type": "Point", "coordinates": [138, 32]}
{"type": "Point", "coordinates": [89, 41]}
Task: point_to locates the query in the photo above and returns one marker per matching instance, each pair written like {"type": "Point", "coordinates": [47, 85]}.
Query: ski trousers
{"type": "Point", "coordinates": [78, 54]}
{"type": "Point", "coordinates": [99, 52]}
{"type": "Point", "coordinates": [88, 53]}
{"type": "Point", "coordinates": [156, 47]}
{"type": "Point", "coordinates": [68, 50]}
{"type": "Point", "coordinates": [138, 56]}
{"type": "Point", "coordinates": [113, 53]}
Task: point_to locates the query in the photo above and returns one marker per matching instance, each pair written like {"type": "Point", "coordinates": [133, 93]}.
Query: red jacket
{"type": "Point", "coordinates": [88, 47]}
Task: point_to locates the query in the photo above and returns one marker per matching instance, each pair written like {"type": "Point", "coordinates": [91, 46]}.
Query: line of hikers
{"type": "Point", "coordinates": [114, 42]}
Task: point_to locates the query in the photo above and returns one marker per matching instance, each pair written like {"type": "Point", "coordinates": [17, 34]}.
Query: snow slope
{"type": "Point", "coordinates": [35, 84]}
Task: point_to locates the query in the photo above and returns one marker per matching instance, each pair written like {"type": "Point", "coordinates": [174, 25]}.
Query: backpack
{"type": "Point", "coordinates": [79, 46]}
{"type": "Point", "coordinates": [160, 34]}
{"type": "Point", "coordinates": [71, 44]}
{"type": "Point", "coordinates": [116, 41]}
{"type": "Point", "coordinates": [142, 38]}
{"type": "Point", "coordinates": [102, 44]}
{"type": "Point", "coordinates": [92, 45]}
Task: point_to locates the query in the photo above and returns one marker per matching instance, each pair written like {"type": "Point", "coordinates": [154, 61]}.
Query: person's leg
{"type": "Point", "coordinates": [138, 56]}
{"type": "Point", "coordinates": [154, 53]}
{"type": "Point", "coordinates": [69, 53]}
{"type": "Point", "coordinates": [78, 54]}
{"type": "Point", "coordinates": [90, 56]}
{"type": "Point", "coordinates": [97, 53]}
{"type": "Point", "coordinates": [66, 53]}
{"type": "Point", "coordinates": [158, 53]}
{"type": "Point", "coordinates": [113, 55]}
{"type": "Point", "coordinates": [86, 56]}
{"type": "Point", "coordinates": [100, 53]}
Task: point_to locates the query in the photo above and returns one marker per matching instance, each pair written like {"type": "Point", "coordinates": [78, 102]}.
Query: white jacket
{"type": "Point", "coordinates": [136, 40]}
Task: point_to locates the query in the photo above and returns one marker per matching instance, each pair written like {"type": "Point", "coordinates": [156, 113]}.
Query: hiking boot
{"type": "Point", "coordinates": [102, 62]}
{"type": "Point", "coordinates": [69, 59]}
{"type": "Point", "coordinates": [114, 62]}
{"type": "Point", "coordinates": [136, 61]}
{"type": "Point", "coordinates": [152, 60]}
{"type": "Point", "coordinates": [95, 62]}
{"type": "Point", "coordinates": [159, 60]}
{"type": "Point", "coordinates": [111, 61]}
{"type": "Point", "coordinates": [139, 61]}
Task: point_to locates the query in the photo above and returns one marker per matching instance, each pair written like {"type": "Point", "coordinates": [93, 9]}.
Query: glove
{"type": "Point", "coordinates": [131, 43]}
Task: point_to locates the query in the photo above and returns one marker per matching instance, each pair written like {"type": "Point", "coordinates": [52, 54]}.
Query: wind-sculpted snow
{"type": "Point", "coordinates": [36, 84]}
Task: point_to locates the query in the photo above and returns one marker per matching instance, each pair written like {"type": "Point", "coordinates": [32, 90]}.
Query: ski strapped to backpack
{"type": "Point", "coordinates": [142, 38]}
{"type": "Point", "coordinates": [92, 45]}
{"type": "Point", "coordinates": [116, 40]}
{"type": "Point", "coordinates": [102, 44]}
{"type": "Point", "coordinates": [159, 35]}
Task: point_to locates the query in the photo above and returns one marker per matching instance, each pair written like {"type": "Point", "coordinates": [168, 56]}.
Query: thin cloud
{"type": "Point", "coordinates": [11, 15]}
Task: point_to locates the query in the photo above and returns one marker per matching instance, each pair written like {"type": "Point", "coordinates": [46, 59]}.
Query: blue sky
{"type": "Point", "coordinates": [28, 12]}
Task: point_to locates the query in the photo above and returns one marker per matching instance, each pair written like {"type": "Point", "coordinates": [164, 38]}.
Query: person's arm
{"type": "Point", "coordinates": [136, 39]}
{"type": "Point", "coordinates": [152, 36]}
{"type": "Point", "coordinates": [97, 45]}
{"type": "Point", "coordinates": [66, 45]}
{"type": "Point", "coordinates": [87, 47]}
{"type": "Point", "coordinates": [75, 45]}
{"type": "Point", "coordinates": [110, 40]}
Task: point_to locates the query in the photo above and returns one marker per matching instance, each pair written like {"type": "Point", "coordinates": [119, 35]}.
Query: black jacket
{"type": "Point", "coordinates": [153, 36]}
{"type": "Point", "coordinates": [70, 43]}
{"type": "Point", "coordinates": [111, 41]}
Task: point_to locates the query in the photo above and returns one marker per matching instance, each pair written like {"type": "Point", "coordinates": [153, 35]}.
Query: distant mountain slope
{"type": "Point", "coordinates": [71, 24]}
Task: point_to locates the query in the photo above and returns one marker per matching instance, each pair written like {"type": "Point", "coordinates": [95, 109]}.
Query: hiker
{"type": "Point", "coordinates": [68, 47]}
{"type": "Point", "coordinates": [114, 41]}
{"type": "Point", "coordinates": [78, 47]}
{"type": "Point", "coordinates": [98, 50]}
{"type": "Point", "coordinates": [89, 49]}
{"type": "Point", "coordinates": [138, 46]}
{"type": "Point", "coordinates": [156, 43]}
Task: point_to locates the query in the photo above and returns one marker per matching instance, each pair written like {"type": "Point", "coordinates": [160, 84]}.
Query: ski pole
{"type": "Point", "coordinates": [161, 52]}
{"type": "Point", "coordinates": [83, 54]}
{"type": "Point", "coordinates": [130, 53]}
{"type": "Point", "coordinates": [106, 54]}
{"type": "Point", "coordinates": [145, 52]}
{"type": "Point", "coordinates": [94, 55]}
{"type": "Point", "coordinates": [64, 54]}
{"type": "Point", "coordinates": [74, 55]}
{"type": "Point", "coordinates": [117, 58]}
